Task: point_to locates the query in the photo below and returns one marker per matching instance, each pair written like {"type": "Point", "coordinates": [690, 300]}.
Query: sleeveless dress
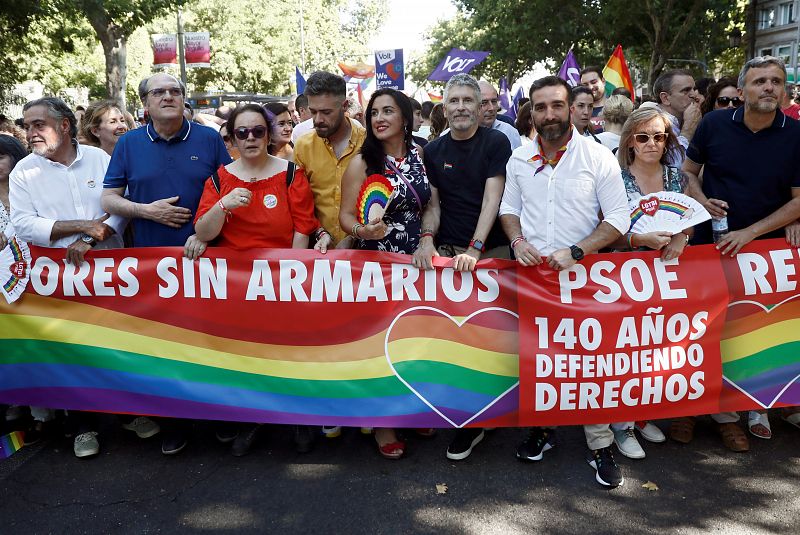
{"type": "Point", "coordinates": [404, 214]}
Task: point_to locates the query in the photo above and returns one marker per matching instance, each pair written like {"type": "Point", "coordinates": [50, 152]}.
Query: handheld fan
{"type": "Point", "coordinates": [666, 211]}
{"type": "Point", "coordinates": [373, 199]}
{"type": "Point", "coordinates": [15, 263]}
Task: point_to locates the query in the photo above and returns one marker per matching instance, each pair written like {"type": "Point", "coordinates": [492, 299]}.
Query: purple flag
{"type": "Point", "coordinates": [455, 62]}
{"type": "Point", "coordinates": [505, 96]}
{"type": "Point", "coordinates": [512, 112]}
{"type": "Point", "coordinates": [570, 71]}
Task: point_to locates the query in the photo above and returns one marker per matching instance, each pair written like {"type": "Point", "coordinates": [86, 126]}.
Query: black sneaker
{"type": "Point", "coordinates": [539, 441]}
{"type": "Point", "coordinates": [303, 438]}
{"type": "Point", "coordinates": [173, 442]}
{"type": "Point", "coordinates": [226, 432]}
{"type": "Point", "coordinates": [462, 444]}
{"type": "Point", "coordinates": [608, 473]}
{"type": "Point", "coordinates": [245, 440]}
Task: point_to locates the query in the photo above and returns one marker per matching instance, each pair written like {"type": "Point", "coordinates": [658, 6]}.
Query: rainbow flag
{"type": "Point", "coordinates": [434, 97]}
{"type": "Point", "coordinates": [357, 70]}
{"type": "Point", "coordinates": [616, 73]}
{"type": "Point", "coordinates": [11, 443]}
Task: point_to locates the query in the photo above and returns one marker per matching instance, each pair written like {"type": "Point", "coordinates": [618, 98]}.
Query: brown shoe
{"type": "Point", "coordinates": [682, 429]}
{"type": "Point", "coordinates": [733, 437]}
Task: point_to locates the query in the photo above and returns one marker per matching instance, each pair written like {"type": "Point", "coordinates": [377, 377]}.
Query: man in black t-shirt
{"type": "Point", "coordinates": [467, 171]}
{"type": "Point", "coordinates": [467, 168]}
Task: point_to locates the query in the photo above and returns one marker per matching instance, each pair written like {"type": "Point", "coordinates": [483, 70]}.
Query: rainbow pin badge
{"type": "Point", "coordinates": [373, 199]}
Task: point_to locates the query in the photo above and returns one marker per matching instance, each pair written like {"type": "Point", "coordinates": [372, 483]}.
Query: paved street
{"type": "Point", "coordinates": [343, 486]}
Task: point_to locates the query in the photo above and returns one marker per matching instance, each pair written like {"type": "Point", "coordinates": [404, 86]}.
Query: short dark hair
{"type": "Point", "coordinates": [58, 110]}
{"type": "Point", "coordinates": [325, 83]}
{"type": "Point", "coordinates": [581, 90]}
{"type": "Point", "coordinates": [664, 82]}
{"type": "Point", "coordinates": [257, 108]}
{"type": "Point", "coordinates": [415, 105]}
{"type": "Point", "coordinates": [427, 106]}
{"type": "Point", "coordinates": [276, 108]}
{"type": "Point", "coordinates": [592, 68]}
{"type": "Point", "coordinates": [301, 102]}
{"type": "Point", "coordinates": [551, 81]}
{"type": "Point", "coordinates": [622, 91]}
{"type": "Point", "coordinates": [11, 146]}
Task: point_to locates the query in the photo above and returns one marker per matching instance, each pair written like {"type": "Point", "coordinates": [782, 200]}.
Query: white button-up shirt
{"type": "Point", "coordinates": [561, 206]}
{"type": "Point", "coordinates": [42, 192]}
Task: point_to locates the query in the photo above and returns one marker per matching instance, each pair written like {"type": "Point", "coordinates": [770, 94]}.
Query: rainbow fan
{"type": "Point", "coordinates": [666, 211]}
{"type": "Point", "coordinates": [373, 199]}
{"type": "Point", "coordinates": [15, 262]}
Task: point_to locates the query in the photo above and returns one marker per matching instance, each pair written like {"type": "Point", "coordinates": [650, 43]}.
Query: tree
{"type": "Point", "coordinates": [522, 34]}
{"type": "Point", "coordinates": [113, 22]}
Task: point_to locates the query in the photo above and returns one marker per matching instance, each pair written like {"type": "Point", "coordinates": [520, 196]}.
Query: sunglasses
{"type": "Point", "coordinates": [661, 137]}
{"type": "Point", "coordinates": [724, 101]}
{"type": "Point", "coordinates": [257, 131]}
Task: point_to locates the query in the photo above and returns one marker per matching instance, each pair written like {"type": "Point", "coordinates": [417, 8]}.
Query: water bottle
{"type": "Point", "coordinates": [719, 227]}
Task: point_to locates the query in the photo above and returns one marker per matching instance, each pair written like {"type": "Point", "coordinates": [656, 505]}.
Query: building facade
{"type": "Point", "coordinates": [777, 32]}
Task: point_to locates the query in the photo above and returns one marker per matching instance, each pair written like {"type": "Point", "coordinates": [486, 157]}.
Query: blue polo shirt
{"type": "Point", "coordinates": [754, 172]}
{"type": "Point", "coordinates": [153, 168]}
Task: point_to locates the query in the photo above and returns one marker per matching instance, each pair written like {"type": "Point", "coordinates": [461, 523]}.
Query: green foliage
{"type": "Point", "coordinates": [520, 34]}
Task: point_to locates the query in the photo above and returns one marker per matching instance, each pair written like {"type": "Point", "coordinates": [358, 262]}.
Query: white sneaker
{"type": "Point", "coordinates": [143, 426]}
{"type": "Point", "coordinates": [650, 432]}
{"type": "Point", "coordinates": [86, 444]}
{"type": "Point", "coordinates": [628, 446]}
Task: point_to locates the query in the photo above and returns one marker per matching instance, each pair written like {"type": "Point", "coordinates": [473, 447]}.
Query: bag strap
{"type": "Point", "coordinates": [399, 173]}
{"type": "Point", "coordinates": [215, 181]}
{"type": "Point", "coordinates": [290, 171]}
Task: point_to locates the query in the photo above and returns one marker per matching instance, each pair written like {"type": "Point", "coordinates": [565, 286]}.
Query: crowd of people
{"type": "Point", "coordinates": [470, 183]}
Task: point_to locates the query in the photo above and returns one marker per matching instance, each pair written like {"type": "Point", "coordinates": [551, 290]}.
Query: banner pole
{"type": "Point", "coordinates": [181, 56]}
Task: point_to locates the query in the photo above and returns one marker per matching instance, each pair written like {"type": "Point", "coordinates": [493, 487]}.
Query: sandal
{"type": "Point", "coordinates": [758, 424]}
{"type": "Point", "coordinates": [733, 437]}
{"type": "Point", "coordinates": [791, 415]}
{"type": "Point", "coordinates": [426, 432]}
{"type": "Point", "coordinates": [392, 450]}
{"type": "Point", "coordinates": [682, 429]}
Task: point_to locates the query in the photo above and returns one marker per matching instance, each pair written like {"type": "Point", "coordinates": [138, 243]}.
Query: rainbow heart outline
{"type": "Point", "coordinates": [459, 324]}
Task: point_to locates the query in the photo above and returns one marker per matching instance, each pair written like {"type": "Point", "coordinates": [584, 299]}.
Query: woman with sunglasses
{"type": "Point", "coordinates": [389, 150]}
{"type": "Point", "coordinates": [258, 201]}
{"type": "Point", "coordinates": [645, 143]}
{"type": "Point", "coordinates": [722, 95]}
{"type": "Point", "coordinates": [281, 139]}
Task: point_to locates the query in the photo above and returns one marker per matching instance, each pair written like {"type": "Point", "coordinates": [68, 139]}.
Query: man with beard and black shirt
{"type": "Point", "coordinates": [467, 166]}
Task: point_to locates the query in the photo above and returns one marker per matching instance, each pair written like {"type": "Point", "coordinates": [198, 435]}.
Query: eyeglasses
{"type": "Point", "coordinates": [257, 131]}
{"type": "Point", "coordinates": [724, 101]}
{"type": "Point", "coordinates": [660, 137]}
{"type": "Point", "coordinates": [159, 92]}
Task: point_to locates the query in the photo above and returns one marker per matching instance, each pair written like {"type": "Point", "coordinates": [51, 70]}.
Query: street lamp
{"type": "Point", "coordinates": [735, 38]}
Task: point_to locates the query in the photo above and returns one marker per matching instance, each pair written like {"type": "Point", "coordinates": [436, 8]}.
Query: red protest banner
{"type": "Point", "coordinates": [621, 337]}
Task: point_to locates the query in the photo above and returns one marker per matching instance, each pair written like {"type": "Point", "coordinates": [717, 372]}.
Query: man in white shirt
{"type": "Point", "coordinates": [55, 202]}
{"type": "Point", "coordinates": [555, 189]}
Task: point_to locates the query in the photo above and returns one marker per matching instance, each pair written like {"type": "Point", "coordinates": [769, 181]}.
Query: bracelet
{"type": "Point", "coordinates": [426, 234]}
{"type": "Point", "coordinates": [354, 230]}
{"type": "Point", "coordinates": [320, 232]}
{"type": "Point", "coordinates": [426, 231]}
{"type": "Point", "coordinates": [687, 238]}
{"type": "Point", "coordinates": [225, 210]}
{"type": "Point", "coordinates": [516, 241]}
{"type": "Point", "coordinates": [629, 239]}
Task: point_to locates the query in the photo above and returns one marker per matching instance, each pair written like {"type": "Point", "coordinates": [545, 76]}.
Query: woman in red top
{"type": "Point", "coordinates": [257, 206]}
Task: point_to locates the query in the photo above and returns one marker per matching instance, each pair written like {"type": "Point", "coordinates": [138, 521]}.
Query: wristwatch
{"type": "Point", "coordinates": [88, 239]}
{"type": "Point", "coordinates": [477, 245]}
{"type": "Point", "coordinates": [577, 252]}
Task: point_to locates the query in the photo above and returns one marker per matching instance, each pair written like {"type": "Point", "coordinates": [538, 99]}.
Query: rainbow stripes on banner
{"type": "Point", "coordinates": [11, 443]}
{"type": "Point", "coordinates": [759, 351]}
{"type": "Point", "coordinates": [616, 73]}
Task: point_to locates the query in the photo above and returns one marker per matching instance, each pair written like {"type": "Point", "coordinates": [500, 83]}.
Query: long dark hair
{"type": "Point", "coordinates": [372, 149]}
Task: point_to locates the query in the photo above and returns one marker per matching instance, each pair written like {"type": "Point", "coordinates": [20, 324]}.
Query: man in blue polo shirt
{"type": "Point", "coordinates": [164, 167]}
{"type": "Point", "coordinates": [750, 158]}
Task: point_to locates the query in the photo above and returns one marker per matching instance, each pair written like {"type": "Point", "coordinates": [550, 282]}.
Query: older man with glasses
{"type": "Point", "coordinates": [164, 167]}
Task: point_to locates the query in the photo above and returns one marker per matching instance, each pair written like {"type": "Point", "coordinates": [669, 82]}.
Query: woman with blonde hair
{"type": "Point", "coordinates": [102, 125]}
{"type": "Point", "coordinates": [615, 112]}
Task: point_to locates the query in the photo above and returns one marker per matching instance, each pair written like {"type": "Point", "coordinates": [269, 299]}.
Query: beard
{"type": "Point", "coordinates": [45, 149]}
{"type": "Point", "coordinates": [554, 130]}
{"type": "Point", "coordinates": [330, 129]}
{"type": "Point", "coordinates": [763, 106]}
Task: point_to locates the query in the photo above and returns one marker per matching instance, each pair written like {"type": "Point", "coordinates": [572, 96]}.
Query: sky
{"type": "Point", "coordinates": [407, 22]}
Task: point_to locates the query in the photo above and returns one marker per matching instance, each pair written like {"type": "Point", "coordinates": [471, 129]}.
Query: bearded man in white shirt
{"type": "Point", "coordinates": [55, 202]}
{"type": "Point", "coordinates": [555, 189]}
